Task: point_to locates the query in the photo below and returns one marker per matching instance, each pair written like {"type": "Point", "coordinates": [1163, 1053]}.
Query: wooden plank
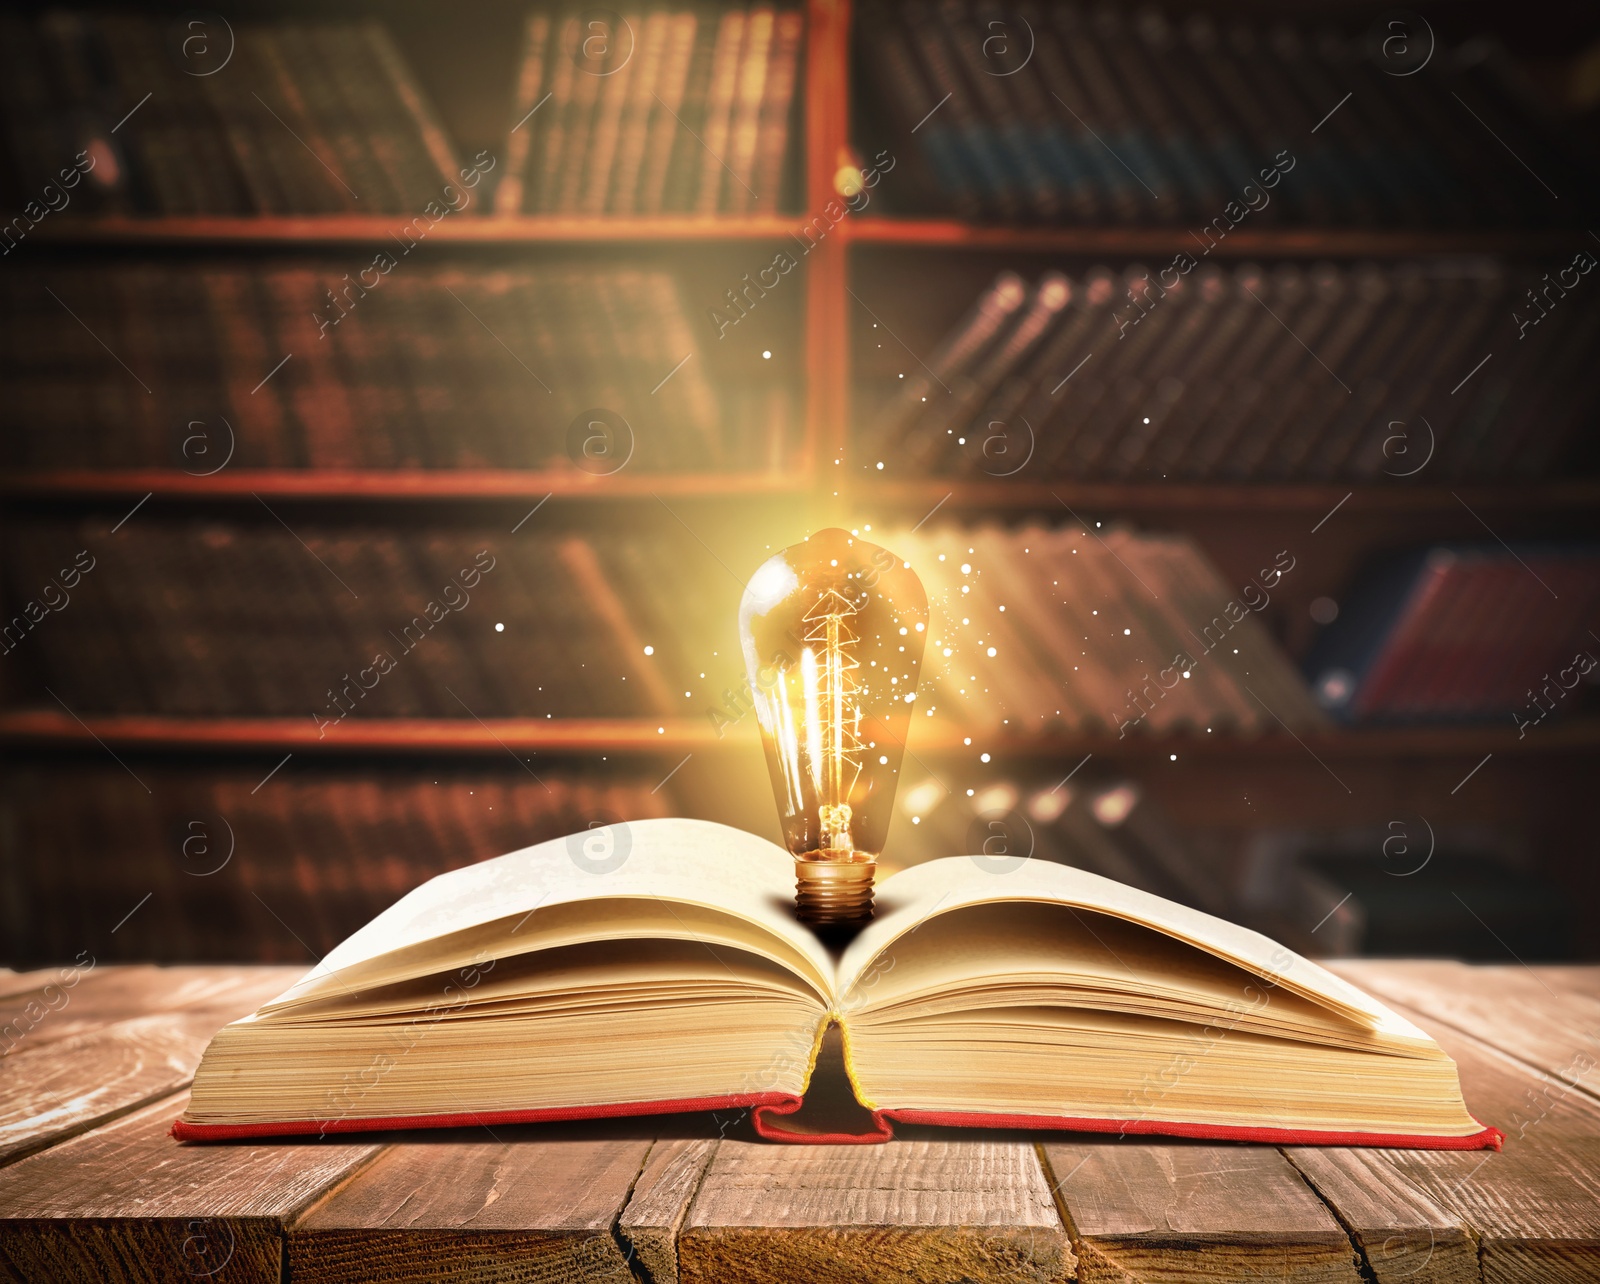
{"type": "Point", "coordinates": [1517, 1009]}
{"type": "Point", "coordinates": [1166, 498]}
{"type": "Point", "coordinates": [407, 485]}
{"type": "Point", "coordinates": [128, 1205]}
{"type": "Point", "coordinates": [1118, 240]}
{"type": "Point", "coordinates": [1534, 1209]}
{"type": "Point", "coordinates": [13, 982]}
{"type": "Point", "coordinates": [660, 1202]}
{"type": "Point", "coordinates": [55, 1010]}
{"type": "Point", "coordinates": [70, 1086]}
{"type": "Point", "coordinates": [968, 1208]}
{"type": "Point", "coordinates": [376, 229]}
{"type": "Point", "coordinates": [1153, 1211]}
{"type": "Point", "coordinates": [440, 1208]}
{"type": "Point", "coordinates": [370, 735]}
{"type": "Point", "coordinates": [1400, 1232]}
{"type": "Point", "coordinates": [29, 727]}
{"type": "Point", "coordinates": [1573, 978]}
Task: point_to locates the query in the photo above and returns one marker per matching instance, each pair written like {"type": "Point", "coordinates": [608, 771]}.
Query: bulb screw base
{"type": "Point", "coordinates": [834, 890]}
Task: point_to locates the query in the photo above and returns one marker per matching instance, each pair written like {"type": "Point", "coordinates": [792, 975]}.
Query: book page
{"type": "Point", "coordinates": [1023, 953]}
{"type": "Point", "coordinates": [663, 862]}
{"type": "Point", "coordinates": [925, 892]}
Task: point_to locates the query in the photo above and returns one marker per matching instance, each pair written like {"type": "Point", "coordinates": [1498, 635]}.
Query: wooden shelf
{"type": "Point", "coordinates": [439, 484]}
{"type": "Point", "coordinates": [465, 485]}
{"type": "Point", "coordinates": [1262, 242]}
{"type": "Point", "coordinates": [228, 231]}
{"type": "Point", "coordinates": [37, 728]}
{"type": "Point", "coordinates": [365, 735]}
{"type": "Point", "coordinates": [222, 231]}
{"type": "Point", "coordinates": [1156, 497]}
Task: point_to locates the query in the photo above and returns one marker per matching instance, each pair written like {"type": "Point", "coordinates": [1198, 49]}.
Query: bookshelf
{"type": "Point", "coordinates": [376, 486]}
{"type": "Point", "coordinates": [825, 482]}
{"type": "Point", "coordinates": [262, 231]}
{"type": "Point", "coordinates": [654, 736]}
{"type": "Point", "coordinates": [1164, 242]}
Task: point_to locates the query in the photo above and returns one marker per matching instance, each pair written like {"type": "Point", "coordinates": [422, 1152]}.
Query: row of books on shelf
{"type": "Point", "coordinates": [671, 110]}
{"type": "Point", "coordinates": [168, 115]}
{"type": "Point", "coordinates": [1033, 630]}
{"type": "Point", "coordinates": [223, 866]}
{"type": "Point", "coordinates": [399, 365]}
{"type": "Point", "coordinates": [1044, 113]}
{"type": "Point", "coordinates": [1055, 113]}
{"type": "Point", "coordinates": [234, 868]}
{"type": "Point", "coordinates": [1282, 373]}
{"type": "Point", "coordinates": [1463, 631]}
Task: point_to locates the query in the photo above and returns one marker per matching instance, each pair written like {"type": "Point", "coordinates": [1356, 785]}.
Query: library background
{"type": "Point", "coordinates": [397, 399]}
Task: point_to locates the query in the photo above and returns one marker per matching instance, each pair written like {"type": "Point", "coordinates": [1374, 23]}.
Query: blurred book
{"type": "Point", "coordinates": [1464, 631]}
{"type": "Point", "coordinates": [1120, 634]}
{"type": "Point", "coordinates": [1036, 630]}
{"type": "Point", "coordinates": [665, 111]}
{"type": "Point", "coordinates": [397, 365]}
{"type": "Point", "coordinates": [237, 868]}
{"type": "Point", "coordinates": [189, 115]}
{"type": "Point", "coordinates": [1066, 114]}
{"type": "Point", "coordinates": [1202, 374]}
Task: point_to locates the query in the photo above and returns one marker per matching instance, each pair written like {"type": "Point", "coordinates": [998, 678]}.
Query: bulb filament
{"type": "Point", "coordinates": [833, 715]}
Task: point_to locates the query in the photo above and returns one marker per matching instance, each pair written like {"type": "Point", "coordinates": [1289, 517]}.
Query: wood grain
{"type": "Point", "coordinates": [13, 982]}
{"type": "Point", "coordinates": [1551, 1027]}
{"type": "Point", "coordinates": [911, 1210]}
{"type": "Point", "coordinates": [660, 1202]}
{"type": "Point", "coordinates": [129, 1205]}
{"type": "Point", "coordinates": [1574, 979]}
{"type": "Point", "coordinates": [73, 1085]}
{"type": "Point", "coordinates": [1400, 1232]}
{"type": "Point", "coordinates": [1152, 1211]}
{"type": "Point", "coordinates": [441, 1208]}
{"type": "Point", "coordinates": [1534, 1209]}
{"type": "Point", "coordinates": [53, 1011]}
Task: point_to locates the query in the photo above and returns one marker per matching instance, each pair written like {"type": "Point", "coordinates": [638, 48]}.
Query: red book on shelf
{"type": "Point", "coordinates": [656, 967]}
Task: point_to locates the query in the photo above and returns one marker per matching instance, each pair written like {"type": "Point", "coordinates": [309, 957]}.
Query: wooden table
{"type": "Point", "coordinates": [92, 1188]}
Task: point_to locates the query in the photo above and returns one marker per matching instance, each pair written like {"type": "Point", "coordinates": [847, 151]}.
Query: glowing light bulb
{"type": "Point", "coordinates": [822, 625]}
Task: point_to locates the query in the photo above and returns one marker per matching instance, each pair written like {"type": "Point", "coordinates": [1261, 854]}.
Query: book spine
{"type": "Point", "coordinates": [419, 109]}
{"type": "Point", "coordinates": [559, 120]}
{"type": "Point", "coordinates": [665, 138]}
{"type": "Point", "coordinates": [314, 173]}
{"type": "Point", "coordinates": [532, 86]}
{"type": "Point", "coordinates": [308, 61]}
{"type": "Point", "coordinates": [163, 174]}
{"type": "Point", "coordinates": [615, 93]}
{"type": "Point", "coordinates": [589, 91]}
{"type": "Point", "coordinates": [956, 416]}
{"type": "Point", "coordinates": [721, 89]}
{"type": "Point", "coordinates": [772, 129]}
{"type": "Point", "coordinates": [745, 118]}
{"type": "Point", "coordinates": [993, 310]}
{"type": "Point", "coordinates": [309, 380]}
{"type": "Point", "coordinates": [620, 189]}
{"type": "Point", "coordinates": [997, 188]}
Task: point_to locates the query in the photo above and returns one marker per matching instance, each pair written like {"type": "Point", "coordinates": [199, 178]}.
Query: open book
{"type": "Point", "coordinates": [672, 975]}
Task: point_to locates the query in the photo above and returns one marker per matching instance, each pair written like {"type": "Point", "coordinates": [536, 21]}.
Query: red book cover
{"type": "Point", "coordinates": [771, 1111]}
